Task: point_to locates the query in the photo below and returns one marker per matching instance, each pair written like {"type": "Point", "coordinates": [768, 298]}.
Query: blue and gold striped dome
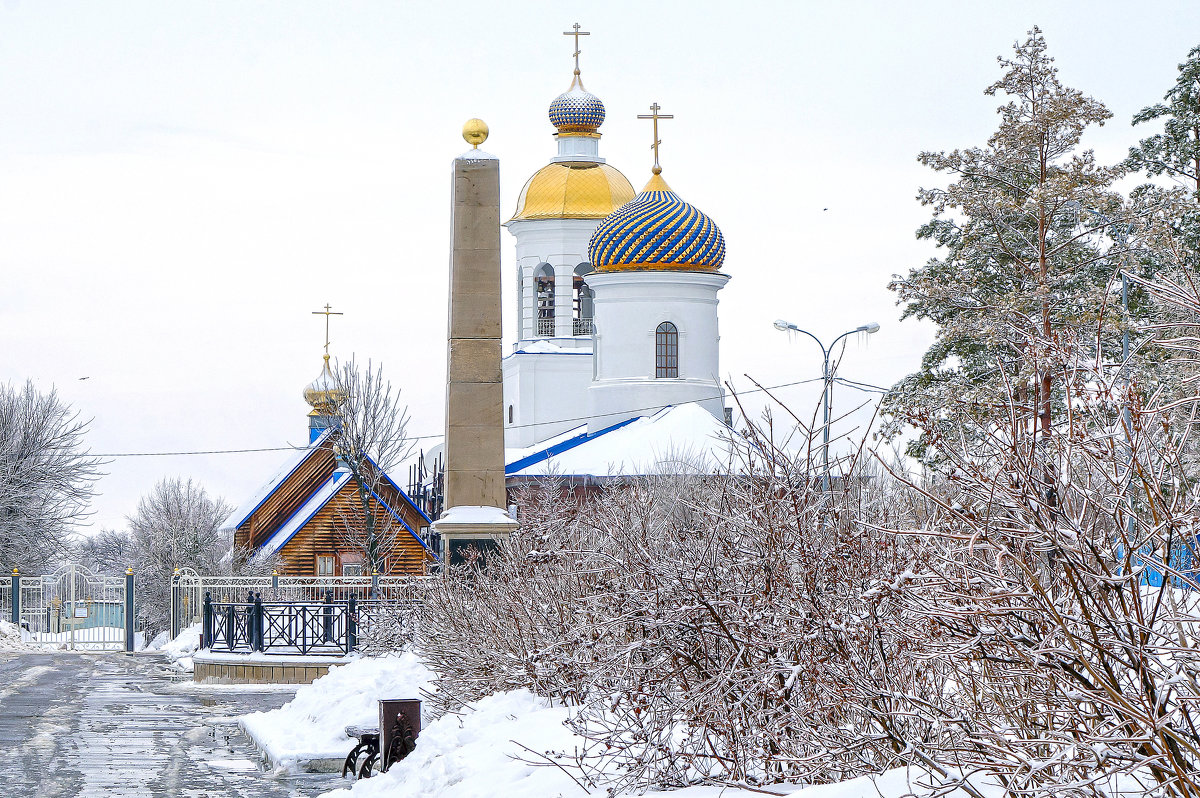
{"type": "Point", "coordinates": [657, 230]}
{"type": "Point", "coordinates": [577, 112]}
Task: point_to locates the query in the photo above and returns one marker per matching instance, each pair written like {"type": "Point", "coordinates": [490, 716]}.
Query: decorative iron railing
{"type": "Point", "coordinates": [545, 328]}
{"type": "Point", "coordinates": [188, 590]}
{"type": "Point", "coordinates": [582, 326]}
{"type": "Point", "coordinates": [305, 627]}
{"type": "Point", "coordinates": [296, 628]}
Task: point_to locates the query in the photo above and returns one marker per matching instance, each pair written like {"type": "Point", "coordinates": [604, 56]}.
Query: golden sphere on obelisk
{"type": "Point", "coordinates": [475, 131]}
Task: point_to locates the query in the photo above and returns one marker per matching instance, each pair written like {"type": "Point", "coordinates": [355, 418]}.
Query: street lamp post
{"type": "Point", "coordinates": [826, 378]}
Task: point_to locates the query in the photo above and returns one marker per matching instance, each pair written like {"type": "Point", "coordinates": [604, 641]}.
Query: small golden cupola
{"type": "Point", "coordinates": [324, 395]}
{"type": "Point", "coordinates": [577, 184]}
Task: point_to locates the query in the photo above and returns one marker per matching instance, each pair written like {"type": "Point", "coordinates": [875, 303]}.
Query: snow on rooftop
{"type": "Point", "coordinates": [512, 455]}
{"type": "Point", "coordinates": [247, 508]}
{"type": "Point", "coordinates": [301, 516]}
{"type": "Point", "coordinates": [544, 347]}
{"type": "Point", "coordinates": [686, 438]}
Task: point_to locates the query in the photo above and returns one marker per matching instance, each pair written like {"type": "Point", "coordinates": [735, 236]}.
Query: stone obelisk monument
{"type": "Point", "coordinates": [475, 499]}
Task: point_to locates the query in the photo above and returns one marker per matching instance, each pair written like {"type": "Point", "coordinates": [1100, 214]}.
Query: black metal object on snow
{"type": "Point", "coordinates": [400, 722]}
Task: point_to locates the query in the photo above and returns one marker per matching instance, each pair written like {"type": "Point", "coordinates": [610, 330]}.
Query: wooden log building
{"type": "Point", "coordinates": [310, 513]}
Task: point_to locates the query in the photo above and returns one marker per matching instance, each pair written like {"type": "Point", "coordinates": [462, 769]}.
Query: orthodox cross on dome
{"type": "Point", "coordinates": [327, 313]}
{"type": "Point", "coordinates": [655, 115]}
{"type": "Point", "coordinates": [576, 33]}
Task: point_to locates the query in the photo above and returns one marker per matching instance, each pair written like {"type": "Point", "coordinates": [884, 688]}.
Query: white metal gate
{"type": "Point", "coordinates": [75, 608]}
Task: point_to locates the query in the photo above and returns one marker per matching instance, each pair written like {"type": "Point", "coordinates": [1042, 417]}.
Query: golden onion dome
{"type": "Point", "coordinates": [657, 231]}
{"type": "Point", "coordinates": [573, 190]}
{"type": "Point", "coordinates": [323, 393]}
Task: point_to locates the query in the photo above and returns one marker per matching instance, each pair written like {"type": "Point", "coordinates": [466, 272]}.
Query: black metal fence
{"type": "Point", "coordinates": [278, 627]}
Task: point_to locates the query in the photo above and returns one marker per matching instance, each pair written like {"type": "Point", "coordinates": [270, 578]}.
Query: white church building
{"type": "Point", "coordinates": [616, 366]}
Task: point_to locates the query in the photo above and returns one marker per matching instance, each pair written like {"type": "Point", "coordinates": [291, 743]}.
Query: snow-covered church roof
{"type": "Point", "coordinates": [677, 439]}
{"type": "Point", "coordinates": [294, 461]}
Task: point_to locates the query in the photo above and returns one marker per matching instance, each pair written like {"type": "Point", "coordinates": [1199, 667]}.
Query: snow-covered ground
{"type": "Point", "coordinates": [96, 638]}
{"type": "Point", "coordinates": [495, 748]}
{"type": "Point", "coordinates": [311, 727]}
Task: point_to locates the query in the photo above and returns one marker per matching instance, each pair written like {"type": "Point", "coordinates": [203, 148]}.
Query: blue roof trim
{"type": "Point", "coordinates": [400, 490]}
{"type": "Point", "coordinates": [316, 510]}
{"type": "Point", "coordinates": [403, 523]}
{"type": "Point", "coordinates": [559, 448]}
{"type": "Point", "coordinates": [312, 447]}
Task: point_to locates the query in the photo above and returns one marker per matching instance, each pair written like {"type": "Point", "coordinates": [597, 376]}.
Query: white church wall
{"type": "Point", "coordinates": [547, 392]}
{"type": "Point", "coordinates": [629, 306]}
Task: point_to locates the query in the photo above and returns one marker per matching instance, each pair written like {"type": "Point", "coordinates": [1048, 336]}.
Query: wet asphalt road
{"type": "Point", "coordinates": [119, 725]}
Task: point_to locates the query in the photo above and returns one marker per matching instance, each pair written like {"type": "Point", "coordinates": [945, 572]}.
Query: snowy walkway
{"type": "Point", "coordinates": [115, 725]}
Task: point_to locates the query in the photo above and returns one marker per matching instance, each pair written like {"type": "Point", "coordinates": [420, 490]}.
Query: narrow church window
{"type": "Point", "coordinates": [510, 414]}
{"type": "Point", "coordinates": [666, 350]}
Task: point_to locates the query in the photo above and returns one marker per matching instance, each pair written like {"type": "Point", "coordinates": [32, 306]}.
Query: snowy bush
{"type": "Point", "coordinates": [710, 628]}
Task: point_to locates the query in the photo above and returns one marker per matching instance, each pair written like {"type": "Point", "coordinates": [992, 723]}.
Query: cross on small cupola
{"type": "Point", "coordinates": [327, 313]}
{"type": "Point", "coordinates": [655, 115]}
{"type": "Point", "coordinates": [576, 33]}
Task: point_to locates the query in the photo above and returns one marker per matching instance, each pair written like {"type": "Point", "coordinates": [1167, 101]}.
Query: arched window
{"type": "Point", "coordinates": [666, 350]}
{"type": "Point", "coordinates": [581, 301]}
{"type": "Point", "coordinates": [544, 282]}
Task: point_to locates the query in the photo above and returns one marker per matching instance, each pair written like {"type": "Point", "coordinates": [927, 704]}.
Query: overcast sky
{"type": "Point", "coordinates": [182, 183]}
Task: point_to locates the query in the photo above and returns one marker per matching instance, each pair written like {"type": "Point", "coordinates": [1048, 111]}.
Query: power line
{"type": "Point", "coordinates": [514, 426]}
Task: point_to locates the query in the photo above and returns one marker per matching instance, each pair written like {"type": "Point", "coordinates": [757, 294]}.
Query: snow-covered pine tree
{"type": "Point", "coordinates": [1016, 274]}
{"type": "Point", "coordinates": [1176, 151]}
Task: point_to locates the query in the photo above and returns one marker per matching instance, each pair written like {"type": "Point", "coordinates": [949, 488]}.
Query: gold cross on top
{"type": "Point", "coordinates": [576, 33]}
{"type": "Point", "coordinates": [655, 115]}
{"type": "Point", "coordinates": [327, 313]}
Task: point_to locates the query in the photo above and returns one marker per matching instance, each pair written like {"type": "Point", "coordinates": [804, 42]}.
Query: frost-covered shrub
{"type": "Point", "coordinates": [711, 628]}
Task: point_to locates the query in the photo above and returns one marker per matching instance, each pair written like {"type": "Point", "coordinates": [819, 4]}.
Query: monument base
{"type": "Point", "coordinates": [470, 532]}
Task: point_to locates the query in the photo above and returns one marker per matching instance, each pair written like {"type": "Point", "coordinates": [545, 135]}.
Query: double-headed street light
{"type": "Point", "coordinates": [826, 376]}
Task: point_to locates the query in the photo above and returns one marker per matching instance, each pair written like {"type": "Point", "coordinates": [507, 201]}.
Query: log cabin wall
{"type": "Point", "coordinates": [325, 535]}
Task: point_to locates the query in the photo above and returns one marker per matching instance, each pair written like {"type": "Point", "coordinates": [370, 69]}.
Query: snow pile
{"type": "Point", "coordinates": [473, 755]}
{"type": "Point", "coordinates": [180, 650]}
{"type": "Point", "coordinates": [312, 725]}
{"type": "Point", "coordinates": [160, 640]}
{"type": "Point", "coordinates": [14, 638]}
{"type": "Point", "coordinates": [494, 750]}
